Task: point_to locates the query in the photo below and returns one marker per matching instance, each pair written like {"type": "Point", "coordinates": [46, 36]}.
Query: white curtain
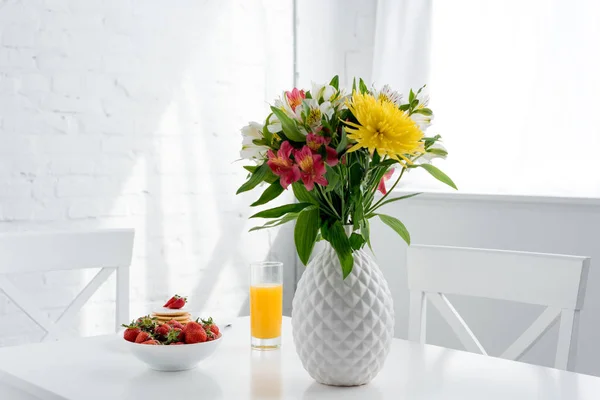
{"type": "Point", "coordinates": [402, 43]}
{"type": "Point", "coordinates": [514, 84]}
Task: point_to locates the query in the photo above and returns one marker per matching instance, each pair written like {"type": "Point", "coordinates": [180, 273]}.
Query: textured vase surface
{"type": "Point", "coordinates": [342, 329]}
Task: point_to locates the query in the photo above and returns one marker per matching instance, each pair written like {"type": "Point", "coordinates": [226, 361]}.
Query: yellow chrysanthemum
{"type": "Point", "coordinates": [383, 127]}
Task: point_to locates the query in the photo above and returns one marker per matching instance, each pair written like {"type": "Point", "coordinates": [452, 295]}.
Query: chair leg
{"type": "Point", "coordinates": [566, 351]}
{"type": "Point", "coordinates": [417, 317]}
{"type": "Point", "coordinates": [122, 314]}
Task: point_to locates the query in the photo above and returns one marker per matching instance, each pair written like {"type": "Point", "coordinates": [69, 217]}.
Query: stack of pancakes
{"type": "Point", "coordinates": [181, 316]}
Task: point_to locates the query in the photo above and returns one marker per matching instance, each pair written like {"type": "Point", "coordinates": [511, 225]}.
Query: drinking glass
{"type": "Point", "coordinates": [266, 304]}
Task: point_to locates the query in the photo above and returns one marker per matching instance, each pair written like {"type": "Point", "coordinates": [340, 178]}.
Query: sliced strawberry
{"type": "Point", "coordinates": [178, 303]}
{"type": "Point", "coordinates": [172, 299]}
{"type": "Point", "coordinates": [151, 342]}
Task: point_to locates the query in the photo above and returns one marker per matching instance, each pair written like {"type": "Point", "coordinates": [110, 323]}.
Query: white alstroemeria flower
{"type": "Point", "coordinates": [436, 150]}
{"type": "Point", "coordinates": [250, 150]}
{"type": "Point", "coordinates": [312, 112]}
{"type": "Point", "coordinates": [283, 104]}
{"type": "Point", "coordinates": [423, 121]}
{"type": "Point", "coordinates": [387, 94]}
{"type": "Point", "coordinates": [323, 92]}
{"type": "Point", "coordinates": [274, 125]}
{"type": "Point", "coordinates": [339, 102]}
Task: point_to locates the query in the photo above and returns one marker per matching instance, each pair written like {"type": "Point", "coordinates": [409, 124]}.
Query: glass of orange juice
{"type": "Point", "coordinates": [266, 304]}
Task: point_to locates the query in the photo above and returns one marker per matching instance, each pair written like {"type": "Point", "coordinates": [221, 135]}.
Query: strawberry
{"type": "Point", "coordinates": [175, 324]}
{"type": "Point", "coordinates": [194, 333]}
{"type": "Point", "coordinates": [172, 299]}
{"type": "Point", "coordinates": [151, 342]}
{"type": "Point", "coordinates": [174, 335]}
{"type": "Point", "coordinates": [162, 331]}
{"type": "Point", "coordinates": [142, 337]}
{"type": "Point", "coordinates": [177, 303]}
{"type": "Point", "coordinates": [209, 325]}
{"type": "Point", "coordinates": [131, 332]}
{"type": "Point", "coordinates": [146, 323]}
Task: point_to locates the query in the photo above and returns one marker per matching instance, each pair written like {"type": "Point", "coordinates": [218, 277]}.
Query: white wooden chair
{"type": "Point", "coordinates": [556, 281]}
{"type": "Point", "coordinates": [109, 250]}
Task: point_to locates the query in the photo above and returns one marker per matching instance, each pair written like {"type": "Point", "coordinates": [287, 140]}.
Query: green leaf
{"type": "Point", "coordinates": [431, 140]}
{"type": "Point", "coordinates": [439, 175]}
{"type": "Point", "coordinates": [281, 210]}
{"type": "Point", "coordinates": [353, 85]}
{"type": "Point", "coordinates": [361, 85]}
{"type": "Point", "coordinates": [269, 194]}
{"type": "Point", "coordinates": [250, 168]}
{"type": "Point", "coordinates": [336, 236]}
{"type": "Point", "coordinates": [387, 163]}
{"type": "Point", "coordinates": [290, 129]}
{"type": "Point", "coordinates": [266, 134]}
{"type": "Point", "coordinates": [411, 96]}
{"type": "Point", "coordinates": [404, 107]}
{"type": "Point", "coordinates": [303, 195]}
{"type": "Point", "coordinates": [408, 196]}
{"type": "Point", "coordinates": [396, 225]}
{"type": "Point", "coordinates": [356, 172]}
{"type": "Point", "coordinates": [333, 179]}
{"type": "Point", "coordinates": [424, 111]}
{"type": "Point", "coordinates": [276, 222]}
{"type": "Point", "coordinates": [356, 241]}
{"type": "Point", "coordinates": [257, 177]}
{"type": "Point", "coordinates": [359, 211]}
{"type": "Point", "coordinates": [271, 177]}
{"type": "Point", "coordinates": [305, 232]}
{"type": "Point", "coordinates": [439, 152]}
{"type": "Point", "coordinates": [343, 142]}
{"type": "Point", "coordinates": [366, 232]}
{"type": "Point", "coordinates": [375, 158]}
{"type": "Point", "coordinates": [335, 82]}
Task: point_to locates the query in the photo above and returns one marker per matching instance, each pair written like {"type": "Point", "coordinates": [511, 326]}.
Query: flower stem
{"type": "Point", "coordinates": [388, 192]}
{"type": "Point", "coordinates": [328, 201]}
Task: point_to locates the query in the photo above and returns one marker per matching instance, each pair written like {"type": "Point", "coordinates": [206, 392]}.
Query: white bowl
{"type": "Point", "coordinates": [174, 358]}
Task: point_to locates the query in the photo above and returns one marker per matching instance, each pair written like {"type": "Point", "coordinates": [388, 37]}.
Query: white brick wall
{"type": "Point", "coordinates": [126, 113]}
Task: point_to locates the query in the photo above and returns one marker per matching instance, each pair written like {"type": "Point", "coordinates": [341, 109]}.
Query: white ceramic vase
{"type": "Point", "coordinates": [342, 329]}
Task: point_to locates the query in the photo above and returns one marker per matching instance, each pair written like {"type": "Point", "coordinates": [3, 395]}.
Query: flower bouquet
{"type": "Point", "coordinates": [336, 151]}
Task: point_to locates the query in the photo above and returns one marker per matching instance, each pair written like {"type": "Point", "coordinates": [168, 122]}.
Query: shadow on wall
{"type": "Point", "coordinates": [120, 116]}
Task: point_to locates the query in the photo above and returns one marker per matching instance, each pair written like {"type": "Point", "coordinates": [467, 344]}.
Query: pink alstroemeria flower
{"type": "Point", "coordinates": [295, 98]}
{"type": "Point", "coordinates": [316, 141]}
{"type": "Point", "coordinates": [312, 168]}
{"type": "Point", "coordinates": [283, 166]}
{"type": "Point", "coordinates": [386, 177]}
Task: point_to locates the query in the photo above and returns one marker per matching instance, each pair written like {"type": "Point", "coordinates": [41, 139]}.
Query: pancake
{"type": "Point", "coordinates": [184, 318]}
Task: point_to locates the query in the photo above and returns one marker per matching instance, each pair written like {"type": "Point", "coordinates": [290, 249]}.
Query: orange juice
{"type": "Point", "coordinates": [266, 303]}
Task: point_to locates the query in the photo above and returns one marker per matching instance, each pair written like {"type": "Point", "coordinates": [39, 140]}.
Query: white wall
{"type": "Point", "coordinates": [121, 113]}
{"type": "Point", "coordinates": [567, 226]}
{"type": "Point", "coordinates": [335, 37]}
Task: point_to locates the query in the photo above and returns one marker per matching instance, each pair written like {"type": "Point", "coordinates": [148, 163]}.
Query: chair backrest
{"type": "Point", "coordinates": [556, 281]}
{"type": "Point", "coordinates": [109, 250]}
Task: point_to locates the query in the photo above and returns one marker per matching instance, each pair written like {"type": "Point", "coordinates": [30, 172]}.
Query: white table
{"type": "Point", "coordinates": [101, 368]}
